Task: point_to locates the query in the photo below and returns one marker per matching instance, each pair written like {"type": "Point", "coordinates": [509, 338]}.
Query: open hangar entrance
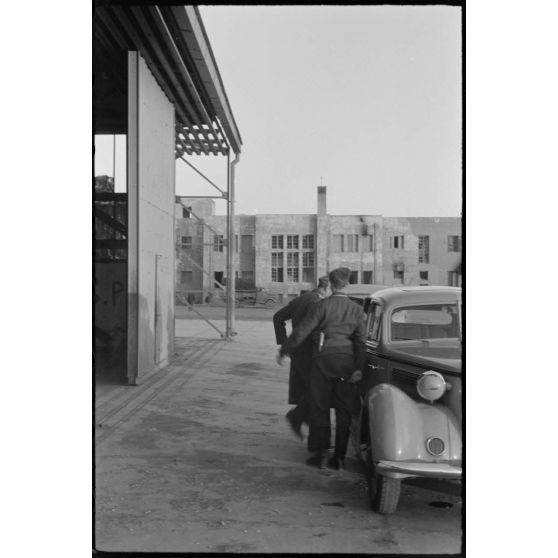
{"type": "Point", "coordinates": [156, 83]}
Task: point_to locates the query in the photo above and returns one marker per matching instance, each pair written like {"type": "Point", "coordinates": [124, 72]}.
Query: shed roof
{"type": "Point", "coordinates": [173, 42]}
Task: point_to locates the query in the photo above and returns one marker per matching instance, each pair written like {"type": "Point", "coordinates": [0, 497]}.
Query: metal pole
{"type": "Point", "coordinates": [229, 255]}
{"type": "Point", "coordinates": [232, 283]}
{"type": "Point", "coordinates": [114, 161]}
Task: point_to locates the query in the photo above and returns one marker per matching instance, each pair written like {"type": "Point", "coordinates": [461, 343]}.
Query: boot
{"type": "Point", "coordinates": [337, 463]}
{"type": "Point", "coordinates": [319, 459]}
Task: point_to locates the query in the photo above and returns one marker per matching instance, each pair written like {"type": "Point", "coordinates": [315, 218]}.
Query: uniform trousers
{"type": "Point", "coordinates": [329, 385]}
{"type": "Point", "coordinates": [300, 394]}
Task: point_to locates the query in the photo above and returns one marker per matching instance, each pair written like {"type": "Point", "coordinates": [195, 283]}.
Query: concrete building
{"type": "Point", "coordinates": [285, 254]}
{"type": "Point", "coordinates": [157, 83]}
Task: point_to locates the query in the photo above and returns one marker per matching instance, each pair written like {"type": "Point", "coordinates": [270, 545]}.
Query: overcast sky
{"type": "Point", "coordinates": [365, 98]}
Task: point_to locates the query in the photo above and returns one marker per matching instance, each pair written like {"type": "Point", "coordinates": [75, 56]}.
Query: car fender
{"type": "Point", "coordinates": [400, 427]}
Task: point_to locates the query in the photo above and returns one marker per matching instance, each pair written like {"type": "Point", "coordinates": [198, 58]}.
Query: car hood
{"type": "Point", "coordinates": [446, 358]}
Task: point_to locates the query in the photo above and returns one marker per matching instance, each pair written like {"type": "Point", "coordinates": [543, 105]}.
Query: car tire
{"type": "Point", "coordinates": [383, 491]}
{"type": "Point", "coordinates": [269, 303]}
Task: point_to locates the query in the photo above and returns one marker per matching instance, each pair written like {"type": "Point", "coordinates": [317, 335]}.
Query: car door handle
{"type": "Point", "coordinates": [374, 366]}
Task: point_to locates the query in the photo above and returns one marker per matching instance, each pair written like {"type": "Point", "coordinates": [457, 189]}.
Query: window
{"type": "Point", "coordinates": [432, 321]}
{"type": "Point", "coordinates": [338, 245]}
{"type": "Point", "coordinates": [219, 279]}
{"type": "Point", "coordinates": [186, 277]}
{"type": "Point", "coordinates": [352, 243]}
{"type": "Point", "coordinates": [277, 267]}
{"type": "Point", "coordinates": [399, 277]}
{"type": "Point", "coordinates": [368, 243]}
{"type": "Point", "coordinates": [423, 277]}
{"type": "Point", "coordinates": [236, 243]}
{"type": "Point", "coordinates": [292, 242]}
{"type": "Point", "coordinates": [454, 279]}
{"type": "Point", "coordinates": [454, 244]}
{"type": "Point", "coordinates": [247, 243]}
{"type": "Point", "coordinates": [218, 243]}
{"type": "Point", "coordinates": [277, 242]}
{"type": "Point", "coordinates": [353, 278]}
{"type": "Point", "coordinates": [373, 321]}
{"type": "Point", "coordinates": [308, 242]}
{"type": "Point", "coordinates": [423, 249]}
{"type": "Point", "coordinates": [186, 242]}
{"type": "Point", "coordinates": [367, 277]}
{"type": "Point", "coordinates": [398, 242]}
{"type": "Point", "coordinates": [308, 267]}
{"type": "Point", "coordinates": [292, 267]}
{"type": "Point", "coordinates": [186, 212]}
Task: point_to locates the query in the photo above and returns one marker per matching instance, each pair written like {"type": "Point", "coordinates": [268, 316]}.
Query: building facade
{"type": "Point", "coordinates": [285, 254]}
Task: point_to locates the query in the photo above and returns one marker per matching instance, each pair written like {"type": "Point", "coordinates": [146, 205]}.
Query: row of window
{"type": "Point", "coordinates": [454, 278]}
{"type": "Point", "coordinates": [246, 243]}
{"type": "Point", "coordinates": [341, 243]}
{"type": "Point", "coordinates": [350, 243]}
{"type": "Point", "coordinates": [292, 267]}
{"type": "Point", "coordinates": [278, 242]}
{"type": "Point", "coordinates": [398, 242]}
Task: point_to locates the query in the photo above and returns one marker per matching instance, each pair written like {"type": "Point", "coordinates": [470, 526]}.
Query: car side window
{"type": "Point", "coordinates": [373, 322]}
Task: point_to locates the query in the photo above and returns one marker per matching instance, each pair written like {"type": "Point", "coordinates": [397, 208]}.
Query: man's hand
{"type": "Point", "coordinates": [356, 376]}
{"type": "Point", "coordinates": [279, 359]}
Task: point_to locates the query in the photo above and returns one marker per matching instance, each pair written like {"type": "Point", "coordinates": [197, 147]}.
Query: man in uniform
{"type": "Point", "coordinates": [301, 359]}
{"type": "Point", "coordinates": [336, 327]}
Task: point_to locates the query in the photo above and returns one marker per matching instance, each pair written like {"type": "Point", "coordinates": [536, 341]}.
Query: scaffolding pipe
{"type": "Point", "coordinates": [228, 329]}
{"type": "Point", "coordinates": [231, 283]}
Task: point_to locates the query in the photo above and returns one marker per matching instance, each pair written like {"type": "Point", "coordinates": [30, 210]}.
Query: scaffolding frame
{"type": "Point", "coordinates": [228, 196]}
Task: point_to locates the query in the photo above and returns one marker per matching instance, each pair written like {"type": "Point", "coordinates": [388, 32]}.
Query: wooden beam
{"type": "Point", "coordinates": [110, 221]}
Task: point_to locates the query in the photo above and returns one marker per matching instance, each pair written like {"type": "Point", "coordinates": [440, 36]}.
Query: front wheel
{"type": "Point", "coordinates": [383, 491]}
{"type": "Point", "coordinates": [269, 303]}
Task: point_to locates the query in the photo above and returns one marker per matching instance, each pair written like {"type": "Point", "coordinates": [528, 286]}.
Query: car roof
{"type": "Point", "coordinates": [362, 289]}
{"type": "Point", "coordinates": [418, 294]}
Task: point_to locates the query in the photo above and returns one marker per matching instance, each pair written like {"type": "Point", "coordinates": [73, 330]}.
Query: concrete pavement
{"type": "Point", "coordinates": [198, 458]}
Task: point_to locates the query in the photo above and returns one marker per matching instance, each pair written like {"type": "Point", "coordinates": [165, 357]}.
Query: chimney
{"type": "Point", "coordinates": [322, 229]}
{"type": "Point", "coordinates": [322, 210]}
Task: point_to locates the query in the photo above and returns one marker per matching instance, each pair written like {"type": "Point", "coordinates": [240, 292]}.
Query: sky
{"type": "Point", "coordinates": [365, 100]}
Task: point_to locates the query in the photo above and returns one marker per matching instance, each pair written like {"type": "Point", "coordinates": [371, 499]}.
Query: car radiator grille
{"type": "Point", "coordinates": [406, 380]}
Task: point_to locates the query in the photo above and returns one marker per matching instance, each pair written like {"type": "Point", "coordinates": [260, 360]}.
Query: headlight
{"type": "Point", "coordinates": [435, 446]}
{"type": "Point", "coordinates": [431, 385]}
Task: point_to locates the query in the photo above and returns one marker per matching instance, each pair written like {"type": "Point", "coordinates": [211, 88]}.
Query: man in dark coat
{"type": "Point", "coordinates": [301, 359]}
{"type": "Point", "coordinates": [336, 327]}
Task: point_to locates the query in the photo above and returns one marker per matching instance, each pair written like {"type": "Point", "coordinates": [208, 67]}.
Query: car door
{"type": "Point", "coordinates": [377, 369]}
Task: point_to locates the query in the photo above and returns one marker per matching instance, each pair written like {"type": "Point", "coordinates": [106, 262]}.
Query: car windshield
{"type": "Point", "coordinates": [432, 321]}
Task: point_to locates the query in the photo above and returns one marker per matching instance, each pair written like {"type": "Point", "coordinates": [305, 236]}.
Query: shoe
{"type": "Point", "coordinates": [317, 460]}
{"type": "Point", "coordinates": [296, 427]}
{"type": "Point", "coordinates": [336, 463]}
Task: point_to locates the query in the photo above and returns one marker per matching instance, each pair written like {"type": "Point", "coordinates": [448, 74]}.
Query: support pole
{"type": "Point", "coordinates": [231, 284]}
{"type": "Point", "coordinates": [230, 247]}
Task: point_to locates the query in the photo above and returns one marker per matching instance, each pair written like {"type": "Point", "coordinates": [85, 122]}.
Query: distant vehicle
{"type": "Point", "coordinates": [410, 424]}
{"type": "Point", "coordinates": [256, 297]}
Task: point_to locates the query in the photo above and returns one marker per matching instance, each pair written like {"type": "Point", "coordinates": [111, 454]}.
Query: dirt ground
{"type": "Point", "coordinates": [198, 458]}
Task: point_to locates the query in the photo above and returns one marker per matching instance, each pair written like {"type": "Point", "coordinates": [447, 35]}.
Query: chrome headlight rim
{"type": "Point", "coordinates": [435, 446]}
{"type": "Point", "coordinates": [432, 394]}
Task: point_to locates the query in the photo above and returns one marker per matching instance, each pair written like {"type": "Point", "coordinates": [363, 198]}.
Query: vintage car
{"type": "Point", "coordinates": [410, 424]}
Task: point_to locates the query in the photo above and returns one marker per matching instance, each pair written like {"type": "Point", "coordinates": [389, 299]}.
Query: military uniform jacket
{"type": "Point", "coordinates": [334, 325]}
{"type": "Point", "coordinates": [296, 311]}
